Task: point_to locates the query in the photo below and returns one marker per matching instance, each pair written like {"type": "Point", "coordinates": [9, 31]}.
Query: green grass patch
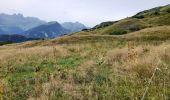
{"type": "Point", "coordinates": [69, 62]}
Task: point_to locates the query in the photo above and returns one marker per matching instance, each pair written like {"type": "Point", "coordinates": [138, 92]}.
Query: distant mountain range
{"type": "Point", "coordinates": [49, 30]}
{"type": "Point", "coordinates": [17, 23]}
{"type": "Point", "coordinates": [31, 27]}
{"type": "Point", "coordinates": [74, 27]}
{"type": "Point", "coordinates": [1, 31]}
{"type": "Point", "coordinates": [14, 38]}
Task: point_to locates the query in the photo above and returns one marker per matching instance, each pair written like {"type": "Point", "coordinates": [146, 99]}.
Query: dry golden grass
{"type": "Point", "coordinates": [160, 31]}
{"type": "Point", "coordinates": [7, 53]}
{"type": "Point", "coordinates": [91, 70]}
{"type": "Point", "coordinates": [132, 63]}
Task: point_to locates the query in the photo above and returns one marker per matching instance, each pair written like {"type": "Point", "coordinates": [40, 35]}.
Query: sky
{"type": "Point", "coordinates": [88, 12]}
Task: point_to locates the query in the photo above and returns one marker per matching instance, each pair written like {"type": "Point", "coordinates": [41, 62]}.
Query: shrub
{"type": "Point", "coordinates": [156, 13]}
{"type": "Point", "coordinates": [104, 24]}
{"type": "Point", "coordinates": [168, 10]}
{"type": "Point", "coordinates": [119, 32]}
{"type": "Point", "coordinates": [85, 30]}
{"type": "Point", "coordinates": [134, 27]}
{"type": "Point", "coordinates": [3, 43]}
{"type": "Point", "coordinates": [138, 16]}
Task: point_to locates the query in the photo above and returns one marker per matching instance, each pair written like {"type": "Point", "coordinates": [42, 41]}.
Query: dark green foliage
{"type": "Point", "coordinates": [85, 29]}
{"type": "Point", "coordinates": [156, 13]}
{"type": "Point", "coordinates": [168, 10]}
{"type": "Point", "coordinates": [134, 27]}
{"type": "Point", "coordinates": [153, 11]}
{"type": "Point", "coordinates": [119, 32]}
{"type": "Point", "coordinates": [157, 9]}
{"type": "Point", "coordinates": [138, 16]}
{"type": "Point", "coordinates": [104, 24]}
{"type": "Point", "coordinates": [3, 43]}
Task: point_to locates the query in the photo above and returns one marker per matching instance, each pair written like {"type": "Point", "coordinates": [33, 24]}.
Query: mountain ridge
{"type": "Point", "coordinates": [17, 23]}
{"type": "Point", "coordinates": [34, 27]}
{"type": "Point", "coordinates": [14, 38]}
{"type": "Point", "coordinates": [49, 30]}
{"type": "Point", "coordinates": [74, 26]}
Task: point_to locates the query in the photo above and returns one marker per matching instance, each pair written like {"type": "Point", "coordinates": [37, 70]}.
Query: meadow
{"type": "Point", "coordinates": [88, 68]}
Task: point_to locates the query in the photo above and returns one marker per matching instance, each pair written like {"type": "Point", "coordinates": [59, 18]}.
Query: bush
{"type": "Point", "coordinates": [104, 24]}
{"type": "Point", "coordinates": [120, 32]}
{"type": "Point", "coordinates": [134, 27]}
{"type": "Point", "coordinates": [3, 43]}
{"type": "Point", "coordinates": [139, 16]}
{"type": "Point", "coordinates": [86, 30]}
{"type": "Point", "coordinates": [168, 11]}
{"type": "Point", "coordinates": [156, 13]}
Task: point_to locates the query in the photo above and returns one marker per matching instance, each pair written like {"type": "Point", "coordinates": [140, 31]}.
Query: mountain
{"type": "Point", "coordinates": [11, 30]}
{"type": "Point", "coordinates": [49, 30]}
{"type": "Point", "coordinates": [158, 16]}
{"type": "Point", "coordinates": [14, 38]}
{"type": "Point", "coordinates": [74, 27]}
{"type": "Point", "coordinates": [35, 28]}
{"type": "Point", "coordinates": [17, 23]}
{"type": "Point", "coordinates": [1, 31]}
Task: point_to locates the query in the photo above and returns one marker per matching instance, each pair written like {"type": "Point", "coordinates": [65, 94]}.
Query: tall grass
{"type": "Point", "coordinates": [94, 70]}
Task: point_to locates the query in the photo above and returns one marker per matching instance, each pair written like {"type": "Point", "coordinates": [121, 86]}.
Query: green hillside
{"type": "Point", "coordinates": [150, 18]}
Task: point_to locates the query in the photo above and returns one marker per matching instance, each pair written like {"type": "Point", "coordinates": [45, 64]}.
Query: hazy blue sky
{"type": "Point", "coordinates": [89, 12]}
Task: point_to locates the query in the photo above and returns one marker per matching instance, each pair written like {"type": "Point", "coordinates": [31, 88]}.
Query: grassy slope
{"type": "Point", "coordinates": [151, 19]}
{"type": "Point", "coordinates": [88, 67]}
